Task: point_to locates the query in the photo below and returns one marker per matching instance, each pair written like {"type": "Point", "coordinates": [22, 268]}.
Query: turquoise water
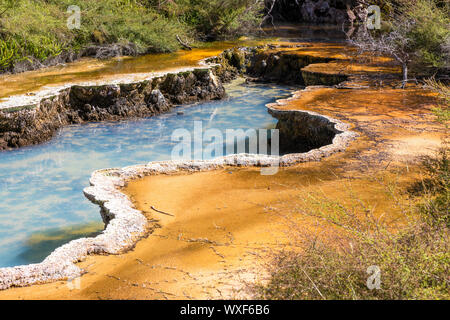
{"type": "Point", "coordinates": [42, 205]}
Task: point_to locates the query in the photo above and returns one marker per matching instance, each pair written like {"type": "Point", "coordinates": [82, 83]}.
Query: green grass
{"type": "Point", "coordinates": [37, 29]}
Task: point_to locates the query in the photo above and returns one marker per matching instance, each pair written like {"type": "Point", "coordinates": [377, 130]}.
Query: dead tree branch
{"type": "Point", "coordinates": [185, 45]}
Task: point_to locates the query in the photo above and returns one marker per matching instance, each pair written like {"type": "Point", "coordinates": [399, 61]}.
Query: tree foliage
{"type": "Point", "coordinates": [214, 18]}
{"type": "Point", "coordinates": [37, 29]}
{"type": "Point", "coordinates": [415, 33]}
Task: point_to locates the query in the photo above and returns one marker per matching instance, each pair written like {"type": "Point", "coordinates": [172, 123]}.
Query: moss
{"type": "Point", "coordinates": [201, 72]}
{"type": "Point", "coordinates": [315, 78]}
{"type": "Point", "coordinates": [20, 108]}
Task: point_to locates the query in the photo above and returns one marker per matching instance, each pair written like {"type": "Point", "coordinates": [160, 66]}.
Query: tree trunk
{"type": "Point", "coordinates": [405, 75]}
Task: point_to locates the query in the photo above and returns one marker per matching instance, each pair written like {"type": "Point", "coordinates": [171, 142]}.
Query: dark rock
{"type": "Point", "coordinates": [304, 132]}
{"type": "Point", "coordinates": [32, 63]}
{"type": "Point", "coordinates": [111, 50]}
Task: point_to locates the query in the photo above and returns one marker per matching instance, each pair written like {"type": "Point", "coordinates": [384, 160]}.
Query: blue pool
{"type": "Point", "coordinates": [41, 201]}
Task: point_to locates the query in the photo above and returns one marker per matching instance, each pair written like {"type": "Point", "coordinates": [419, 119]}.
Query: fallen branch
{"type": "Point", "coordinates": [185, 45]}
{"type": "Point", "coordinates": [167, 214]}
{"type": "Point", "coordinates": [269, 15]}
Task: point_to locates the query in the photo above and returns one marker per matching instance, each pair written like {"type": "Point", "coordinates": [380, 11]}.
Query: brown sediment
{"type": "Point", "coordinates": [372, 66]}
{"type": "Point", "coordinates": [225, 219]}
{"type": "Point", "coordinates": [336, 72]}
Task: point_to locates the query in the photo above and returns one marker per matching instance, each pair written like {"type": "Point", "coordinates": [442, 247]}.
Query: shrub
{"type": "Point", "coordinates": [37, 29]}
{"type": "Point", "coordinates": [9, 53]}
{"type": "Point", "coordinates": [443, 113]}
{"type": "Point", "coordinates": [431, 31]}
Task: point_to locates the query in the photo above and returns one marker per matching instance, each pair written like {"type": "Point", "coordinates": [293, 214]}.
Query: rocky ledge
{"type": "Point", "coordinates": [33, 124]}
{"type": "Point", "coordinates": [33, 120]}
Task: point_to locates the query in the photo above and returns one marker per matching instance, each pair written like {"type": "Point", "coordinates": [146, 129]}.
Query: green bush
{"type": "Point", "coordinates": [33, 30]}
{"type": "Point", "coordinates": [413, 257]}
{"type": "Point", "coordinates": [9, 53]}
{"type": "Point", "coordinates": [416, 33]}
{"type": "Point", "coordinates": [37, 28]}
{"type": "Point", "coordinates": [111, 21]}
{"type": "Point", "coordinates": [215, 18]}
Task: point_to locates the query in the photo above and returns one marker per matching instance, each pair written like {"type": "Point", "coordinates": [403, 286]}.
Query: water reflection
{"type": "Point", "coordinates": [39, 244]}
